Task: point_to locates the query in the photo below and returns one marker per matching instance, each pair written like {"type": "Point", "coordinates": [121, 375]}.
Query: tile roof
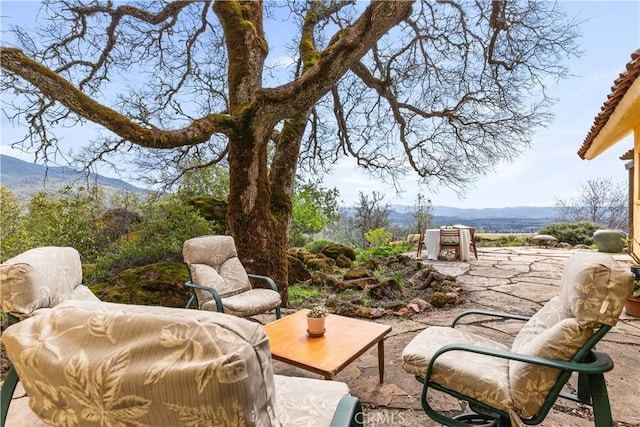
{"type": "Point", "coordinates": [628, 155]}
{"type": "Point", "coordinates": [618, 91]}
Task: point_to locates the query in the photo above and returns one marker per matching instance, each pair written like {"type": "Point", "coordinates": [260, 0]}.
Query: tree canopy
{"type": "Point", "coordinates": [441, 89]}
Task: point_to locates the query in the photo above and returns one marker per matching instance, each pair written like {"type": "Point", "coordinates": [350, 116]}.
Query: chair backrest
{"type": "Point", "coordinates": [449, 237]}
{"type": "Point", "coordinates": [108, 364]}
{"type": "Point", "coordinates": [213, 262]}
{"type": "Point", "coordinates": [41, 278]}
{"type": "Point", "coordinates": [592, 293]}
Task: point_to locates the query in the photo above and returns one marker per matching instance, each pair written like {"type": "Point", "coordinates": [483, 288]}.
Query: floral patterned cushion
{"type": "Point", "coordinates": [41, 278]}
{"type": "Point", "coordinates": [96, 364]}
{"type": "Point", "coordinates": [593, 289]}
{"type": "Point", "coordinates": [592, 292]}
{"type": "Point", "coordinates": [485, 378]}
{"type": "Point", "coordinates": [307, 402]}
{"type": "Point", "coordinates": [550, 333]}
{"type": "Point", "coordinates": [248, 303]}
{"type": "Point", "coordinates": [206, 275]}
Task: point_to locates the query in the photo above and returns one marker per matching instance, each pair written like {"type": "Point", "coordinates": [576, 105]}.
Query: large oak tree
{"type": "Point", "coordinates": [444, 89]}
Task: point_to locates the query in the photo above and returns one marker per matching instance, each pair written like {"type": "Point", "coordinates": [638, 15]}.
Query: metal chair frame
{"type": "Point", "coordinates": [193, 300]}
{"type": "Point", "coordinates": [587, 362]}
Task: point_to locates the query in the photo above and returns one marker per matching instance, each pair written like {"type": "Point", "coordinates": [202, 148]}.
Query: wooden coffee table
{"type": "Point", "coordinates": [344, 341]}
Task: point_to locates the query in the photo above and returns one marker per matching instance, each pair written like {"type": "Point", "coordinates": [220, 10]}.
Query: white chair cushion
{"type": "Point", "coordinates": [41, 278]}
{"type": "Point", "coordinates": [592, 292]}
{"type": "Point", "coordinates": [531, 384]}
{"type": "Point", "coordinates": [594, 287]}
{"type": "Point", "coordinates": [484, 378]}
{"type": "Point", "coordinates": [213, 262]}
{"type": "Point", "coordinates": [206, 275]}
{"type": "Point", "coordinates": [235, 276]}
{"type": "Point", "coordinates": [93, 364]}
{"type": "Point", "coordinates": [211, 250]}
{"type": "Point", "coordinates": [307, 402]}
{"type": "Point", "coordinates": [253, 301]}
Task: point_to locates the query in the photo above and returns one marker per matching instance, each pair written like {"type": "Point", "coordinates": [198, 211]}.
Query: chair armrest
{"type": "Point", "coordinates": [269, 280]}
{"type": "Point", "coordinates": [7, 390]}
{"type": "Point", "coordinates": [490, 314]}
{"type": "Point", "coordinates": [348, 413]}
{"type": "Point", "coordinates": [213, 292]}
{"type": "Point", "coordinates": [601, 363]}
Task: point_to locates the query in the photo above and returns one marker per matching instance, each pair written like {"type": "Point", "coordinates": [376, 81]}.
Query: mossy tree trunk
{"type": "Point", "coordinates": [180, 105]}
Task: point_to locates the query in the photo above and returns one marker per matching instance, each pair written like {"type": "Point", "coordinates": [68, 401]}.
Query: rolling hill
{"type": "Point", "coordinates": [24, 178]}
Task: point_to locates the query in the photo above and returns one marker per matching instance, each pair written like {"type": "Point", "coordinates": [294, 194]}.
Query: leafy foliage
{"type": "Point", "coordinates": [158, 237]}
{"type": "Point", "coordinates": [382, 251]}
{"type": "Point", "coordinates": [378, 237]}
{"type": "Point", "coordinates": [371, 214]}
{"type": "Point", "coordinates": [13, 235]}
{"type": "Point", "coordinates": [65, 218]}
{"type": "Point", "coordinates": [574, 233]}
{"type": "Point", "coordinates": [209, 181]}
{"type": "Point", "coordinates": [314, 208]}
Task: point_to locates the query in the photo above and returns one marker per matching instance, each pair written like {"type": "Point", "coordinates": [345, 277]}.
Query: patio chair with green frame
{"type": "Point", "coordinates": [220, 282]}
{"type": "Point", "coordinates": [519, 385]}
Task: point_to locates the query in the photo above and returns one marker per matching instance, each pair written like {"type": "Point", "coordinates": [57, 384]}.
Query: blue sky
{"type": "Point", "coordinates": [551, 168]}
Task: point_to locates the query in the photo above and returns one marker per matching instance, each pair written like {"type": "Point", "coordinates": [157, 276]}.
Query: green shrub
{"type": "Point", "coordinates": [158, 237]}
{"type": "Point", "coordinates": [507, 241]}
{"type": "Point", "coordinates": [66, 217]}
{"type": "Point", "coordinates": [317, 246]}
{"type": "Point", "coordinates": [298, 241]}
{"type": "Point", "coordinates": [574, 233]}
{"type": "Point", "coordinates": [378, 237]}
{"type": "Point", "coordinates": [382, 251]}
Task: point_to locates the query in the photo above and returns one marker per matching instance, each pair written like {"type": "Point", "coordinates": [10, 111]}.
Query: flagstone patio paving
{"type": "Point", "coordinates": [519, 280]}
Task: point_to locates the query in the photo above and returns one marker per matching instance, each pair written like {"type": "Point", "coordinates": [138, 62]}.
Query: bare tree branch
{"type": "Point", "coordinates": [57, 88]}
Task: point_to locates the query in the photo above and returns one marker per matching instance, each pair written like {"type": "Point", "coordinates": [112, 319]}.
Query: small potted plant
{"type": "Point", "coordinates": [315, 320]}
{"type": "Point", "coordinates": [632, 304]}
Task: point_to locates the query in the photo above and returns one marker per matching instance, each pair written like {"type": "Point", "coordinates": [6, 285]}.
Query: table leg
{"type": "Point", "coordinates": [381, 360]}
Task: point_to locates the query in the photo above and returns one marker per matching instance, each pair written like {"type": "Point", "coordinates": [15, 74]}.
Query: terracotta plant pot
{"type": "Point", "coordinates": [315, 326]}
{"type": "Point", "coordinates": [632, 306]}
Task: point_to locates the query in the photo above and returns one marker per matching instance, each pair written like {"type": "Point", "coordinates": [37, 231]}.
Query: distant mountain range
{"type": "Point", "coordinates": [519, 219]}
{"type": "Point", "coordinates": [24, 178]}
{"type": "Point", "coordinates": [509, 212]}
